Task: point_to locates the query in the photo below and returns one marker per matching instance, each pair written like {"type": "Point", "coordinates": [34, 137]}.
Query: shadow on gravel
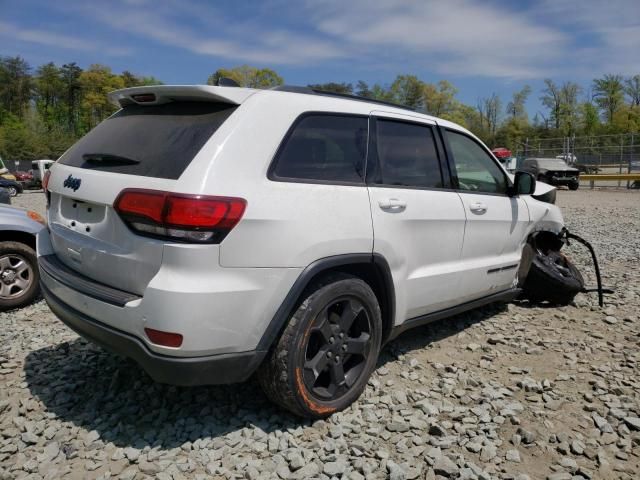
{"type": "Point", "coordinates": [422, 337]}
{"type": "Point", "coordinates": [96, 390]}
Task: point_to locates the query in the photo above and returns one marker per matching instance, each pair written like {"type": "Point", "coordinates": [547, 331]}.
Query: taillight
{"type": "Point", "coordinates": [45, 180]}
{"type": "Point", "coordinates": [189, 218]}
{"type": "Point", "coordinates": [45, 186]}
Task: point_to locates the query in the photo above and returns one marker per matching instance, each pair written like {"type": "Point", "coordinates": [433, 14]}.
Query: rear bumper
{"type": "Point", "coordinates": [186, 371]}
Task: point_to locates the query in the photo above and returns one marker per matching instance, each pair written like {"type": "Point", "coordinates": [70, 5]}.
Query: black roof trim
{"type": "Point", "coordinates": [347, 96]}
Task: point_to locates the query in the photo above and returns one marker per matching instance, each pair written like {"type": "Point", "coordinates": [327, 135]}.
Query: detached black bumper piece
{"type": "Point", "coordinates": [183, 371]}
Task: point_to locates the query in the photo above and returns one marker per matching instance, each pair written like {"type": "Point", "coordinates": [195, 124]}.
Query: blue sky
{"type": "Point", "coordinates": [481, 46]}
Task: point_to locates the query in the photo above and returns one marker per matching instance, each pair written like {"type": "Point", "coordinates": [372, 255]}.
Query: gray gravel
{"type": "Point", "coordinates": [513, 392]}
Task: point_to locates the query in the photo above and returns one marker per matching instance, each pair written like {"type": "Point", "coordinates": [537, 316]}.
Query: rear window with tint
{"type": "Point", "coordinates": [324, 148]}
{"type": "Point", "coordinates": [408, 155]}
{"type": "Point", "coordinates": [152, 141]}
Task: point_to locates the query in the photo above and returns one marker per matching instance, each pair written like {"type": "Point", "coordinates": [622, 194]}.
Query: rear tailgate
{"type": "Point", "coordinates": [139, 147]}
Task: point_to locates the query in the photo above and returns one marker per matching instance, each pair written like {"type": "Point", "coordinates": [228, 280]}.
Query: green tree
{"type": "Point", "coordinates": [15, 85]}
{"type": "Point", "coordinates": [439, 99]}
{"type": "Point", "coordinates": [632, 89]}
{"type": "Point", "coordinates": [72, 93]}
{"type": "Point", "coordinates": [569, 107]}
{"type": "Point", "coordinates": [363, 90]}
{"type": "Point", "coordinates": [247, 76]}
{"type": "Point", "coordinates": [590, 118]}
{"type": "Point", "coordinates": [489, 109]}
{"type": "Point", "coordinates": [96, 83]}
{"type": "Point", "coordinates": [551, 98]}
{"type": "Point", "coordinates": [49, 94]}
{"type": "Point", "coordinates": [608, 93]}
{"type": "Point", "coordinates": [516, 106]}
{"type": "Point", "coordinates": [131, 80]}
{"type": "Point", "coordinates": [408, 90]}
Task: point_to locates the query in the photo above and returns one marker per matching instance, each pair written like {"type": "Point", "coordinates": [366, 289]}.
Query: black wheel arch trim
{"type": "Point", "coordinates": [279, 320]}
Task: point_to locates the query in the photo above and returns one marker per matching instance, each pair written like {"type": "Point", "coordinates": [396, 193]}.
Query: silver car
{"type": "Point", "coordinates": [19, 276]}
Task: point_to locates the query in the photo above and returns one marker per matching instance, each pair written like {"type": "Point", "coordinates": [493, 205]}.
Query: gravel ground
{"type": "Point", "coordinates": [513, 392]}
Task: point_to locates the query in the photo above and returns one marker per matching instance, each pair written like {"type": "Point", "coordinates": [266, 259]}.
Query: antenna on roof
{"type": "Point", "coordinates": [227, 82]}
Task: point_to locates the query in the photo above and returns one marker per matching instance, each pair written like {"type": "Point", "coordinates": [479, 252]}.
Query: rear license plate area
{"type": "Point", "coordinates": [81, 216]}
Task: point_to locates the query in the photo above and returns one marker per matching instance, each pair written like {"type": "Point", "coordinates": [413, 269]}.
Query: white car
{"type": "Point", "coordinates": [213, 232]}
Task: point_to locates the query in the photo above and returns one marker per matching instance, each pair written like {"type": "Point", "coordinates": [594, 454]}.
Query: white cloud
{"type": "Point", "coordinates": [464, 37]}
{"type": "Point", "coordinates": [606, 35]}
{"type": "Point", "coordinates": [59, 40]}
{"type": "Point", "coordinates": [469, 38]}
{"type": "Point", "coordinates": [206, 31]}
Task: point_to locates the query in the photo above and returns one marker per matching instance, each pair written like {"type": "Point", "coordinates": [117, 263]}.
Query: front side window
{"type": "Point", "coordinates": [475, 168]}
{"type": "Point", "coordinates": [407, 155]}
{"type": "Point", "coordinates": [323, 147]}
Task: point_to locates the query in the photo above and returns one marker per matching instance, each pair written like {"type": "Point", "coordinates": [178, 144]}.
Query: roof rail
{"type": "Point", "coordinates": [348, 96]}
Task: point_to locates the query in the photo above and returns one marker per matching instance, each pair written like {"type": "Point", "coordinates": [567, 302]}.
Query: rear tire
{"type": "Point", "coordinates": [19, 275]}
{"type": "Point", "coordinates": [574, 186]}
{"type": "Point", "coordinates": [13, 191]}
{"type": "Point", "coordinates": [553, 278]}
{"type": "Point", "coordinates": [325, 356]}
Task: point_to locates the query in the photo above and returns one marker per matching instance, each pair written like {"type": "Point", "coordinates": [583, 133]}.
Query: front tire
{"type": "Point", "coordinates": [13, 191]}
{"type": "Point", "coordinates": [325, 356]}
{"type": "Point", "coordinates": [19, 275]}
{"type": "Point", "coordinates": [574, 186]}
{"type": "Point", "coordinates": [553, 278]}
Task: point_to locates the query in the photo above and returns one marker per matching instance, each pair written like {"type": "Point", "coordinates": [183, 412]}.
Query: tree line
{"type": "Point", "coordinates": [44, 110]}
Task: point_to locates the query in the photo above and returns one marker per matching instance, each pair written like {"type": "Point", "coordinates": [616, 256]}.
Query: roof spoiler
{"type": "Point", "coordinates": [159, 94]}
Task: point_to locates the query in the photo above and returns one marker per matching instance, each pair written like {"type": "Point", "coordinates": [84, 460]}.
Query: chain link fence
{"type": "Point", "coordinates": [605, 154]}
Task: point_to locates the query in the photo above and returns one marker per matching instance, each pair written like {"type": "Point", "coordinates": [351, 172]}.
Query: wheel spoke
{"type": "Point", "coordinates": [5, 290]}
{"type": "Point", "coordinates": [324, 327]}
{"type": "Point", "coordinates": [21, 267]}
{"type": "Point", "coordinates": [358, 346]}
{"type": "Point", "coordinates": [5, 262]}
{"type": "Point", "coordinates": [317, 364]}
{"type": "Point", "coordinates": [349, 314]}
{"type": "Point", "coordinates": [337, 374]}
{"type": "Point", "coordinates": [20, 282]}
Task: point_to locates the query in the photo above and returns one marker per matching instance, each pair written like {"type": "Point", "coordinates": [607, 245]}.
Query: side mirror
{"type": "Point", "coordinates": [524, 183]}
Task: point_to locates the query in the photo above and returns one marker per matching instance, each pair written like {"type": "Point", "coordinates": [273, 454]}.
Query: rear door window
{"type": "Point", "coordinates": [153, 141]}
{"type": "Point", "coordinates": [407, 155]}
{"type": "Point", "coordinates": [323, 148]}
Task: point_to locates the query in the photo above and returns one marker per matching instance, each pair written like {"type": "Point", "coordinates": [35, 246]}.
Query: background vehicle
{"type": "Point", "coordinates": [5, 196]}
{"type": "Point", "coordinates": [19, 275]}
{"type": "Point", "coordinates": [299, 253]}
{"type": "Point", "coordinates": [553, 171]}
{"type": "Point", "coordinates": [38, 170]}
{"type": "Point", "coordinates": [25, 178]}
{"type": "Point", "coordinates": [13, 187]}
{"type": "Point", "coordinates": [4, 171]}
{"type": "Point", "coordinates": [568, 158]}
{"type": "Point", "coordinates": [506, 158]}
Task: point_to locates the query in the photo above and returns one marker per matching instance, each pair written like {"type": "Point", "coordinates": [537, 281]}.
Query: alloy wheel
{"type": "Point", "coordinates": [338, 345]}
{"type": "Point", "coordinates": [16, 275]}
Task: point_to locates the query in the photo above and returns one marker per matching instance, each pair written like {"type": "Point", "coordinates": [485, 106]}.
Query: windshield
{"type": "Point", "coordinates": [552, 163]}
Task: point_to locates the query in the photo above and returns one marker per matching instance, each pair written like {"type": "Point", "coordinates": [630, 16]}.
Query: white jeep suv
{"type": "Point", "coordinates": [213, 232]}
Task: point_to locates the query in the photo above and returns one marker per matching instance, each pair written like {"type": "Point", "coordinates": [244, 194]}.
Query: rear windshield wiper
{"type": "Point", "coordinates": [104, 158]}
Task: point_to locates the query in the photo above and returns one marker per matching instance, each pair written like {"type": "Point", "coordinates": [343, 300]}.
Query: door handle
{"type": "Point", "coordinates": [478, 207]}
{"type": "Point", "coordinates": [392, 204]}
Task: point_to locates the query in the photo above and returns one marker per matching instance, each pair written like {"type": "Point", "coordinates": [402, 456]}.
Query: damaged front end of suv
{"type": "Point", "coordinates": [546, 273]}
